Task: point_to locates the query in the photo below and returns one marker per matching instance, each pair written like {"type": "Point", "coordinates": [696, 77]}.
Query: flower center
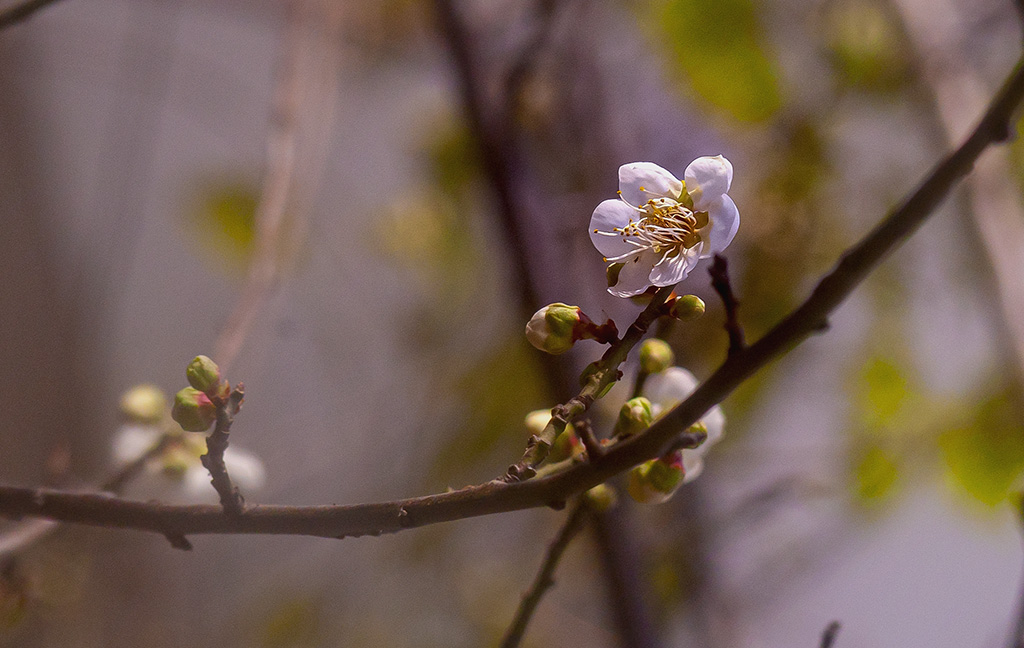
{"type": "Point", "coordinates": [664, 226]}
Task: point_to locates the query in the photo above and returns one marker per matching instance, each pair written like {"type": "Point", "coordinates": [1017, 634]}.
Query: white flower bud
{"type": "Point", "coordinates": [552, 329]}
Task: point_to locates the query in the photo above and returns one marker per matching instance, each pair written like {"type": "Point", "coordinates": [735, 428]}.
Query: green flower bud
{"type": "Point", "coordinates": [566, 445]}
{"type": "Point", "coordinates": [204, 374]}
{"type": "Point", "coordinates": [144, 404]}
{"type": "Point", "coordinates": [193, 410]}
{"type": "Point", "coordinates": [601, 497]}
{"type": "Point", "coordinates": [537, 420]}
{"type": "Point", "coordinates": [552, 329]}
{"type": "Point", "coordinates": [655, 356]}
{"type": "Point", "coordinates": [655, 481]}
{"type": "Point", "coordinates": [634, 417]}
{"type": "Point", "coordinates": [687, 307]}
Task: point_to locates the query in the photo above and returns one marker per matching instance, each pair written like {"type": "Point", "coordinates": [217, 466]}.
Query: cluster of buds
{"type": "Point", "coordinates": [556, 327]}
{"type": "Point", "coordinates": [195, 407]}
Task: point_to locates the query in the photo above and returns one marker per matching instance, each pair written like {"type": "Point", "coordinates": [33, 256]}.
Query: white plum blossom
{"type": "Point", "coordinates": [661, 226]}
{"type": "Point", "coordinates": [667, 389]}
{"type": "Point", "coordinates": [177, 473]}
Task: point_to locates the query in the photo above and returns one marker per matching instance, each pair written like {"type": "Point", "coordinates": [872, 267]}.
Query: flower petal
{"type": "Point", "coordinates": [707, 178]}
{"type": "Point", "coordinates": [672, 270]}
{"type": "Point", "coordinates": [609, 215]}
{"type": "Point", "coordinates": [668, 388]}
{"type": "Point", "coordinates": [634, 278]}
{"type": "Point", "coordinates": [725, 220]}
{"type": "Point", "coordinates": [132, 441]}
{"type": "Point", "coordinates": [642, 181]}
{"type": "Point", "coordinates": [693, 465]}
{"type": "Point", "coordinates": [714, 421]}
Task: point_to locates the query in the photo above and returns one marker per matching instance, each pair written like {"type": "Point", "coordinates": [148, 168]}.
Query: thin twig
{"type": "Point", "coordinates": [22, 11]}
{"type": "Point", "coordinates": [545, 577]}
{"type": "Point", "coordinates": [585, 432]}
{"type": "Point", "coordinates": [499, 496]}
{"type": "Point", "coordinates": [276, 190]}
{"type": "Point", "coordinates": [828, 637]}
{"type": "Point", "coordinates": [216, 445]}
{"type": "Point", "coordinates": [719, 272]}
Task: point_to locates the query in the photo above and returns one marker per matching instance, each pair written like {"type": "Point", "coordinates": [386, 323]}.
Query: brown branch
{"type": "Point", "coordinates": [21, 12]}
{"type": "Point", "coordinates": [216, 444]}
{"type": "Point", "coordinates": [498, 496]}
{"type": "Point", "coordinates": [719, 272]}
{"type": "Point", "coordinates": [545, 577]}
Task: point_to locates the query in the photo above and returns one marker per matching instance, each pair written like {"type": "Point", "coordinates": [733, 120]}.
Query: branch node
{"type": "Point", "coordinates": [178, 541]}
{"type": "Point", "coordinates": [828, 637]}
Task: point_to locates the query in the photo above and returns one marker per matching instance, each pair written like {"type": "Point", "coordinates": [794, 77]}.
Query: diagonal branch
{"type": "Point", "coordinates": [498, 496]}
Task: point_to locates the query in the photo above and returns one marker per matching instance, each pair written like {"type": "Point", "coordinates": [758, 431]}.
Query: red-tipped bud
{"type": "Point", "coordinates": [193, 410]}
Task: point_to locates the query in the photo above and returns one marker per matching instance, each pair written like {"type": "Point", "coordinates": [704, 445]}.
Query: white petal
{"type": "Point", "coordinates": [245, 468]}
{"type": "Point", "coordinates": [668, 388]}
{"type": "Point", "coordinates": [642, 181]}
{"type": "Point", "coordinates": [674, 269]}
{"type": "Point", "coordinates": [693, 465]}
{"type": "Point", "coordinates": [714, 421]}
{"type": "Point", "coordinates": [609, 215]}
{"type": "Point", "coordinates": [707, 178]}
{"type": "Point", "coordinates": [196, 487]}
{"type": "Point", "coordinates": [634, 278]}
{"type": "Point", "coordinates": [724, 221]}
{"type": "Point", "coordinates": [132, 441]}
